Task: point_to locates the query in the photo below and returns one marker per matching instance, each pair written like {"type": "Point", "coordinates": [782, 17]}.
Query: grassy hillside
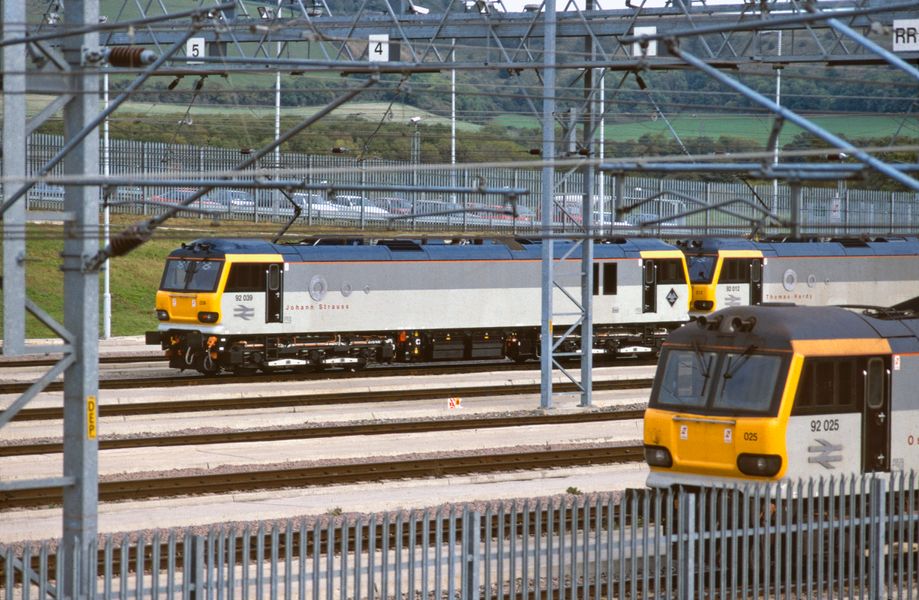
{"type": "Point", "coordinates": [755, 128]}
{"type": "Point", "coordinates": [134, 278]}
{"type": "Point", "coordinates": [170, 113]}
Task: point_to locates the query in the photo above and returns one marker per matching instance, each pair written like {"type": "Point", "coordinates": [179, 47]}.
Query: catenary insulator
{"type": "Point", "coordinates": [127, 240]}
{"type": "Point", "coordinates": [130, 56]}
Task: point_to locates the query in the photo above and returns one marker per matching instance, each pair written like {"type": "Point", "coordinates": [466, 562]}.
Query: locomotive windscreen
{"type": "Point", "coordinates": [182, 275]}
{"type": "Point", "coordinates": [719, 382]}
{"type": "Point", "coordinates": [701, 267]}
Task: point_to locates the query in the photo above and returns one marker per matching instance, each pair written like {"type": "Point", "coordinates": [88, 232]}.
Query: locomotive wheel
{"type": "Point", "coordinates": [358, 366]}
{"type": "Point", "coordinates": [202, 363]}
{"type": "Point", "coordinates": [245, 371]}
{"type": "Point", "coordinates": [206, 366]}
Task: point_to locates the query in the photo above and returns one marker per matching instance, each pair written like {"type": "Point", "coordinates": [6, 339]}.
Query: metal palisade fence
{"type": "Point", "coordinates": [829, 538]}
{"type": "Point", "coordinates": [823, 211]}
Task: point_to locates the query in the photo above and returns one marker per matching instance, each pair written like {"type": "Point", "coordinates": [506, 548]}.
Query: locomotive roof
{"type": "Point", "coordinates": [405, 249]}
{"type": "Point", "coordinates": [775, 327]}
{"type": "Point", "coordinates": [838, 247]}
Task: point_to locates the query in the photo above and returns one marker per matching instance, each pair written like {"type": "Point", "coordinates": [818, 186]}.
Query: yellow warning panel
{"type": "Point", "coordinates": [91, 417]}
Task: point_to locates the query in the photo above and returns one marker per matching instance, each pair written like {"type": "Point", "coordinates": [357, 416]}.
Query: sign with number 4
{"type": "Point", "coordinates": [378, 50]}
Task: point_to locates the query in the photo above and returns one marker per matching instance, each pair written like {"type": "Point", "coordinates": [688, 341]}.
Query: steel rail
{"type": "Point", "coordinates": [192, 378]}
{"type": "Point", "coordinates": [319, 399]}
{"type": "Point", "coordinates": [111, 359]}
{"type": "Point", "coordinates": [326, 431]}
{"type": "Point", "coordinates": [145, 488]}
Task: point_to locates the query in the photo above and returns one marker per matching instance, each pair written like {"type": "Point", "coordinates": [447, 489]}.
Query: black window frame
{"type": "Point", "coordinates": [670, 272]}
{"type": "Point", "coordinates": [716, 370]}
{"type": "Point", "coordinates": [254, 275]}
{"type": "Point", "coordinates": [199, 290]}
{"type": "Point", "coordinates": [845, 390]}
{"type": "Point", "coordinates": [608, 284]}
{"type": "Point", "coordinates": [707, 263]}
{"type": "Point", "coordinates": [735, 270]}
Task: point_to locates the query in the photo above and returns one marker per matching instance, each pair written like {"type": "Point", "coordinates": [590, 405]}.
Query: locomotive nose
{"type": "Point", "coordinates": [704, 444]}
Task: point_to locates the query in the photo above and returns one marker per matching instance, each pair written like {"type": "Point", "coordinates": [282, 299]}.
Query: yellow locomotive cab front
{"type": "Point", "coordinates": [714, 415]}
{"type": "Point", "coordinates": [724, 278]}
{"type": "Point", "coordinates": [189, 293]}
{"type": "Point", "coordinates": [736, 448]}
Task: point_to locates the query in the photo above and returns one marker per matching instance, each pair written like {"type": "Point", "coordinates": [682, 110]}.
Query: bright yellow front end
{"type": "Point", "coordinates": [703, 298]}
{"type": "Point", "coordinates": [715, 416]}
{"type": "Point", "coordinates": [705, 449]}
{"type": "Point", "coordinates": [185, 308]}
{"type": "Point", "coordinates": [715, 282]}
{"type": "Point", "coordinates": [190, 292]}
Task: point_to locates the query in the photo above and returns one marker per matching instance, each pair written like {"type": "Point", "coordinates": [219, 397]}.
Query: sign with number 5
{"type": "Point", "coordinates": [194, 48]}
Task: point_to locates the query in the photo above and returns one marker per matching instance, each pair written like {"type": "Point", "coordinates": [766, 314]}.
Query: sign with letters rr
{"type": "Point", "coordinates": [905, 35]}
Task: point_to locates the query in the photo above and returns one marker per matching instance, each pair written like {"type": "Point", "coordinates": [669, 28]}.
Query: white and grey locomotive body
{"type": "Point", "coordinates": [738, 272]}
{"type": "Point", "coordinates": [245, 304]}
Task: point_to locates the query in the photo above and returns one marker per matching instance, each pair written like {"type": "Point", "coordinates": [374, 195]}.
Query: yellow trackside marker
{"type": "Point", "coordinates": [91, 417]}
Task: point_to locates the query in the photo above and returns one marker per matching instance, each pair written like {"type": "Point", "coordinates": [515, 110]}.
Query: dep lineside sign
{"type": "Point", "coordinates": [905, 35]}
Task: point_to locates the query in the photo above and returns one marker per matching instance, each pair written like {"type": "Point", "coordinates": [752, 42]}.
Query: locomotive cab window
{"type": "Point", "coordinates": [685, 383]}
{"type": "Point", "coordinates": [719, 383]}
{"type": "Point", "coordinates": [701, 268]}
{"type": "Point", "coordinates": [670, 272]}
{"type": "Point", "coordinates": [756, 271]}
{"type": "Point", "coordinates": [735, 270]}
{"type": "Point", "coordinates": [874, 383]}
{"type": "Point", "coordinates": [246, 277]}
{"type": "Point", "coordinates": [828, 385]}
{"type": "Point", "coordinates": [274, 277]}
{"type": "Point", "coordinates": [183, 275]}
{"type": "Point", "coordinates": [746, 382]}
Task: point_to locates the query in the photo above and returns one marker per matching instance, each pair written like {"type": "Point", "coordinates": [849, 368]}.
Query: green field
{"type": "Point", "coordinates": [368, 111]}
{"type": "Point", "coordinates": [758, 128]}
{"type": "Point", "coordinates": [134, 277]}
{"type": "Point", "coordinates": [689, 126]}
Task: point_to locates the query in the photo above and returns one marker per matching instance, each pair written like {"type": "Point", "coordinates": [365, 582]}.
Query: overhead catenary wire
{"type": "Point", "coordinates": [565, 55]}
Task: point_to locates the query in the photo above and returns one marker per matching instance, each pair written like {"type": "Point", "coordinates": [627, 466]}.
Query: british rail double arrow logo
{"type": "Point", "coordinates": [243, 312]}
{"type": "Point", "coordinates": [824, 454]}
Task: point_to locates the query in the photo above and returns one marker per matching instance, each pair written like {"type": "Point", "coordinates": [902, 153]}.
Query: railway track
{"type": "Point", "coordinates": [145, 488]}
{"type": "Point", "coordinates": [389, 427]}
{"type": "Point", "coordinates": [106, 359]}
{"type": "Point", "coordinates": [303, 400]}
{"type": "Point", "coordinates": [195, 379]}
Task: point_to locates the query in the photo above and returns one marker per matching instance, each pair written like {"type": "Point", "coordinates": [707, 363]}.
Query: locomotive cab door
{"type": "Point", "coordinates": [876, 416]}
{"type": "Point", "coordinates": [274, 294]}
{"type": "Point", "coordinates": [756, 281]}
{"type": "Point", "coordinates": [649, 286]}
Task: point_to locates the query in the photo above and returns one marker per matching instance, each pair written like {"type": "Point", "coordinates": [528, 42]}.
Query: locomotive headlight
{"type": "Point", "coordinates": [759, 465]}
{"type": "Point", "coordinates": [703, 304]}
{"type": "Point", "coordinates": [162, 315]}
{"type": "Point", "coordinates": [658, 456]}
{"type": "Point", "coordinates": [207, 317]}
